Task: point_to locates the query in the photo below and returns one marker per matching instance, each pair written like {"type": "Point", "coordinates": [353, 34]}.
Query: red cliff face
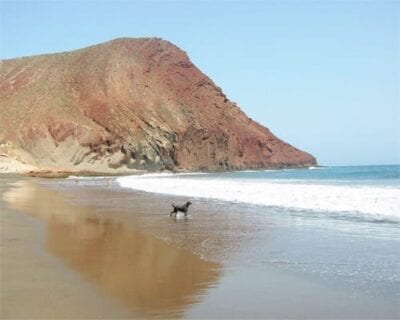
{"type": "Point", "coordinates": [129, 104]}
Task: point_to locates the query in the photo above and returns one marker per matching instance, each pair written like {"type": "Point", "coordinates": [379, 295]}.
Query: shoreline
{"type": "Point", "coordinates": [12, 166]}
{"type": "Point", "coordinates": [121, 249]}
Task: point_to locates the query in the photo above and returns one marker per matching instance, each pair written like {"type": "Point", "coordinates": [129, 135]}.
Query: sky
{"type": "Point", "coordinates": [322, 75]}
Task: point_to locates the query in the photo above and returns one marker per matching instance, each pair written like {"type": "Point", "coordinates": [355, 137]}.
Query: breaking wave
{"type": "Point", "coordinates": [380, 202]}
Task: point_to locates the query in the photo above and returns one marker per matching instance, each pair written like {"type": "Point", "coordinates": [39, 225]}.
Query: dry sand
{"type": "Point", "coordinates": [10, 165]}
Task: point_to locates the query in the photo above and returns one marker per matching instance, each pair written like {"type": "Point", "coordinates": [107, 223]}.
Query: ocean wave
{"type": "Point", "coordinates": [381, 202]}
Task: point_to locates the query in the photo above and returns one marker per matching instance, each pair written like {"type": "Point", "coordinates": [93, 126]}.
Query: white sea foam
{"type": "Point", "coordinates": [170, 174]}
{"type": "Point", "coordinates": [382, 202]}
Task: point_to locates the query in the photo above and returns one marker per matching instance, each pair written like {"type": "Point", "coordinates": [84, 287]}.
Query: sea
{"type": "Point", "coordinates": [318, 242]}
{"type": "Point", "coordinates": [362, 193]}
{"type": "Point", "coordinates": [338, 226]}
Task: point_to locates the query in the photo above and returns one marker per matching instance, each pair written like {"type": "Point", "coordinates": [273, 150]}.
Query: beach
{"type": "Point", "coordinates": [89, 248]}
{"type": "Point", "coordinates": [199, 160]}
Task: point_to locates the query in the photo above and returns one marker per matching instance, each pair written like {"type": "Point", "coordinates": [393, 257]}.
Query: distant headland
{"type": "Point", "coordinates": [126, 105]}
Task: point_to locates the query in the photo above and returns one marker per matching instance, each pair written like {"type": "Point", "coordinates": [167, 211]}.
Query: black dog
{"type": "Point", "coordinates": [183, 208]}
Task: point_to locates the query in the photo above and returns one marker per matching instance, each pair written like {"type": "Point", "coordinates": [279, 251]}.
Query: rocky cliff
{"type": "Point", "coordinates": [128, 104]}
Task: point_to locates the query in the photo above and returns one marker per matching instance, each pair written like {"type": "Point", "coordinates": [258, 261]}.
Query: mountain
{"type": "Point", "coordinates": [128, 104]}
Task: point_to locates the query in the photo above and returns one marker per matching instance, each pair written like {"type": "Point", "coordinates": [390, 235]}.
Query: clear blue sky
{"type": "Point", "coordinates": [322, 75]}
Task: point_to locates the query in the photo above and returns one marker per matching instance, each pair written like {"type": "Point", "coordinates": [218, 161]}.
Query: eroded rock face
{"type": "Point", "coordinates": [129, 104]}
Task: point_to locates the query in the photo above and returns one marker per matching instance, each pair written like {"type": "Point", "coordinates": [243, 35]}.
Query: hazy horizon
{"type": "Point", "coordinates": [323, 77]}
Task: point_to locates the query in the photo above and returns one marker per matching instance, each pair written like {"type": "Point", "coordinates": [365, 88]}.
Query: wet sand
{"type": "Point", "coordinates": [37, 285]}
{"type": "Point", "coordinates": [127, 273]}
{"type": "Point", "coordinates": [98, 251]}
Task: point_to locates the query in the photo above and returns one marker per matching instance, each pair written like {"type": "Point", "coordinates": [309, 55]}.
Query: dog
{"type": "Point", "coordinates": [183, 208]}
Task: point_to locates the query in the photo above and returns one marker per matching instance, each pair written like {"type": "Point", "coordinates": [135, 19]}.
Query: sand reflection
{"type": "Point", "coordinates": [143, 272]}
